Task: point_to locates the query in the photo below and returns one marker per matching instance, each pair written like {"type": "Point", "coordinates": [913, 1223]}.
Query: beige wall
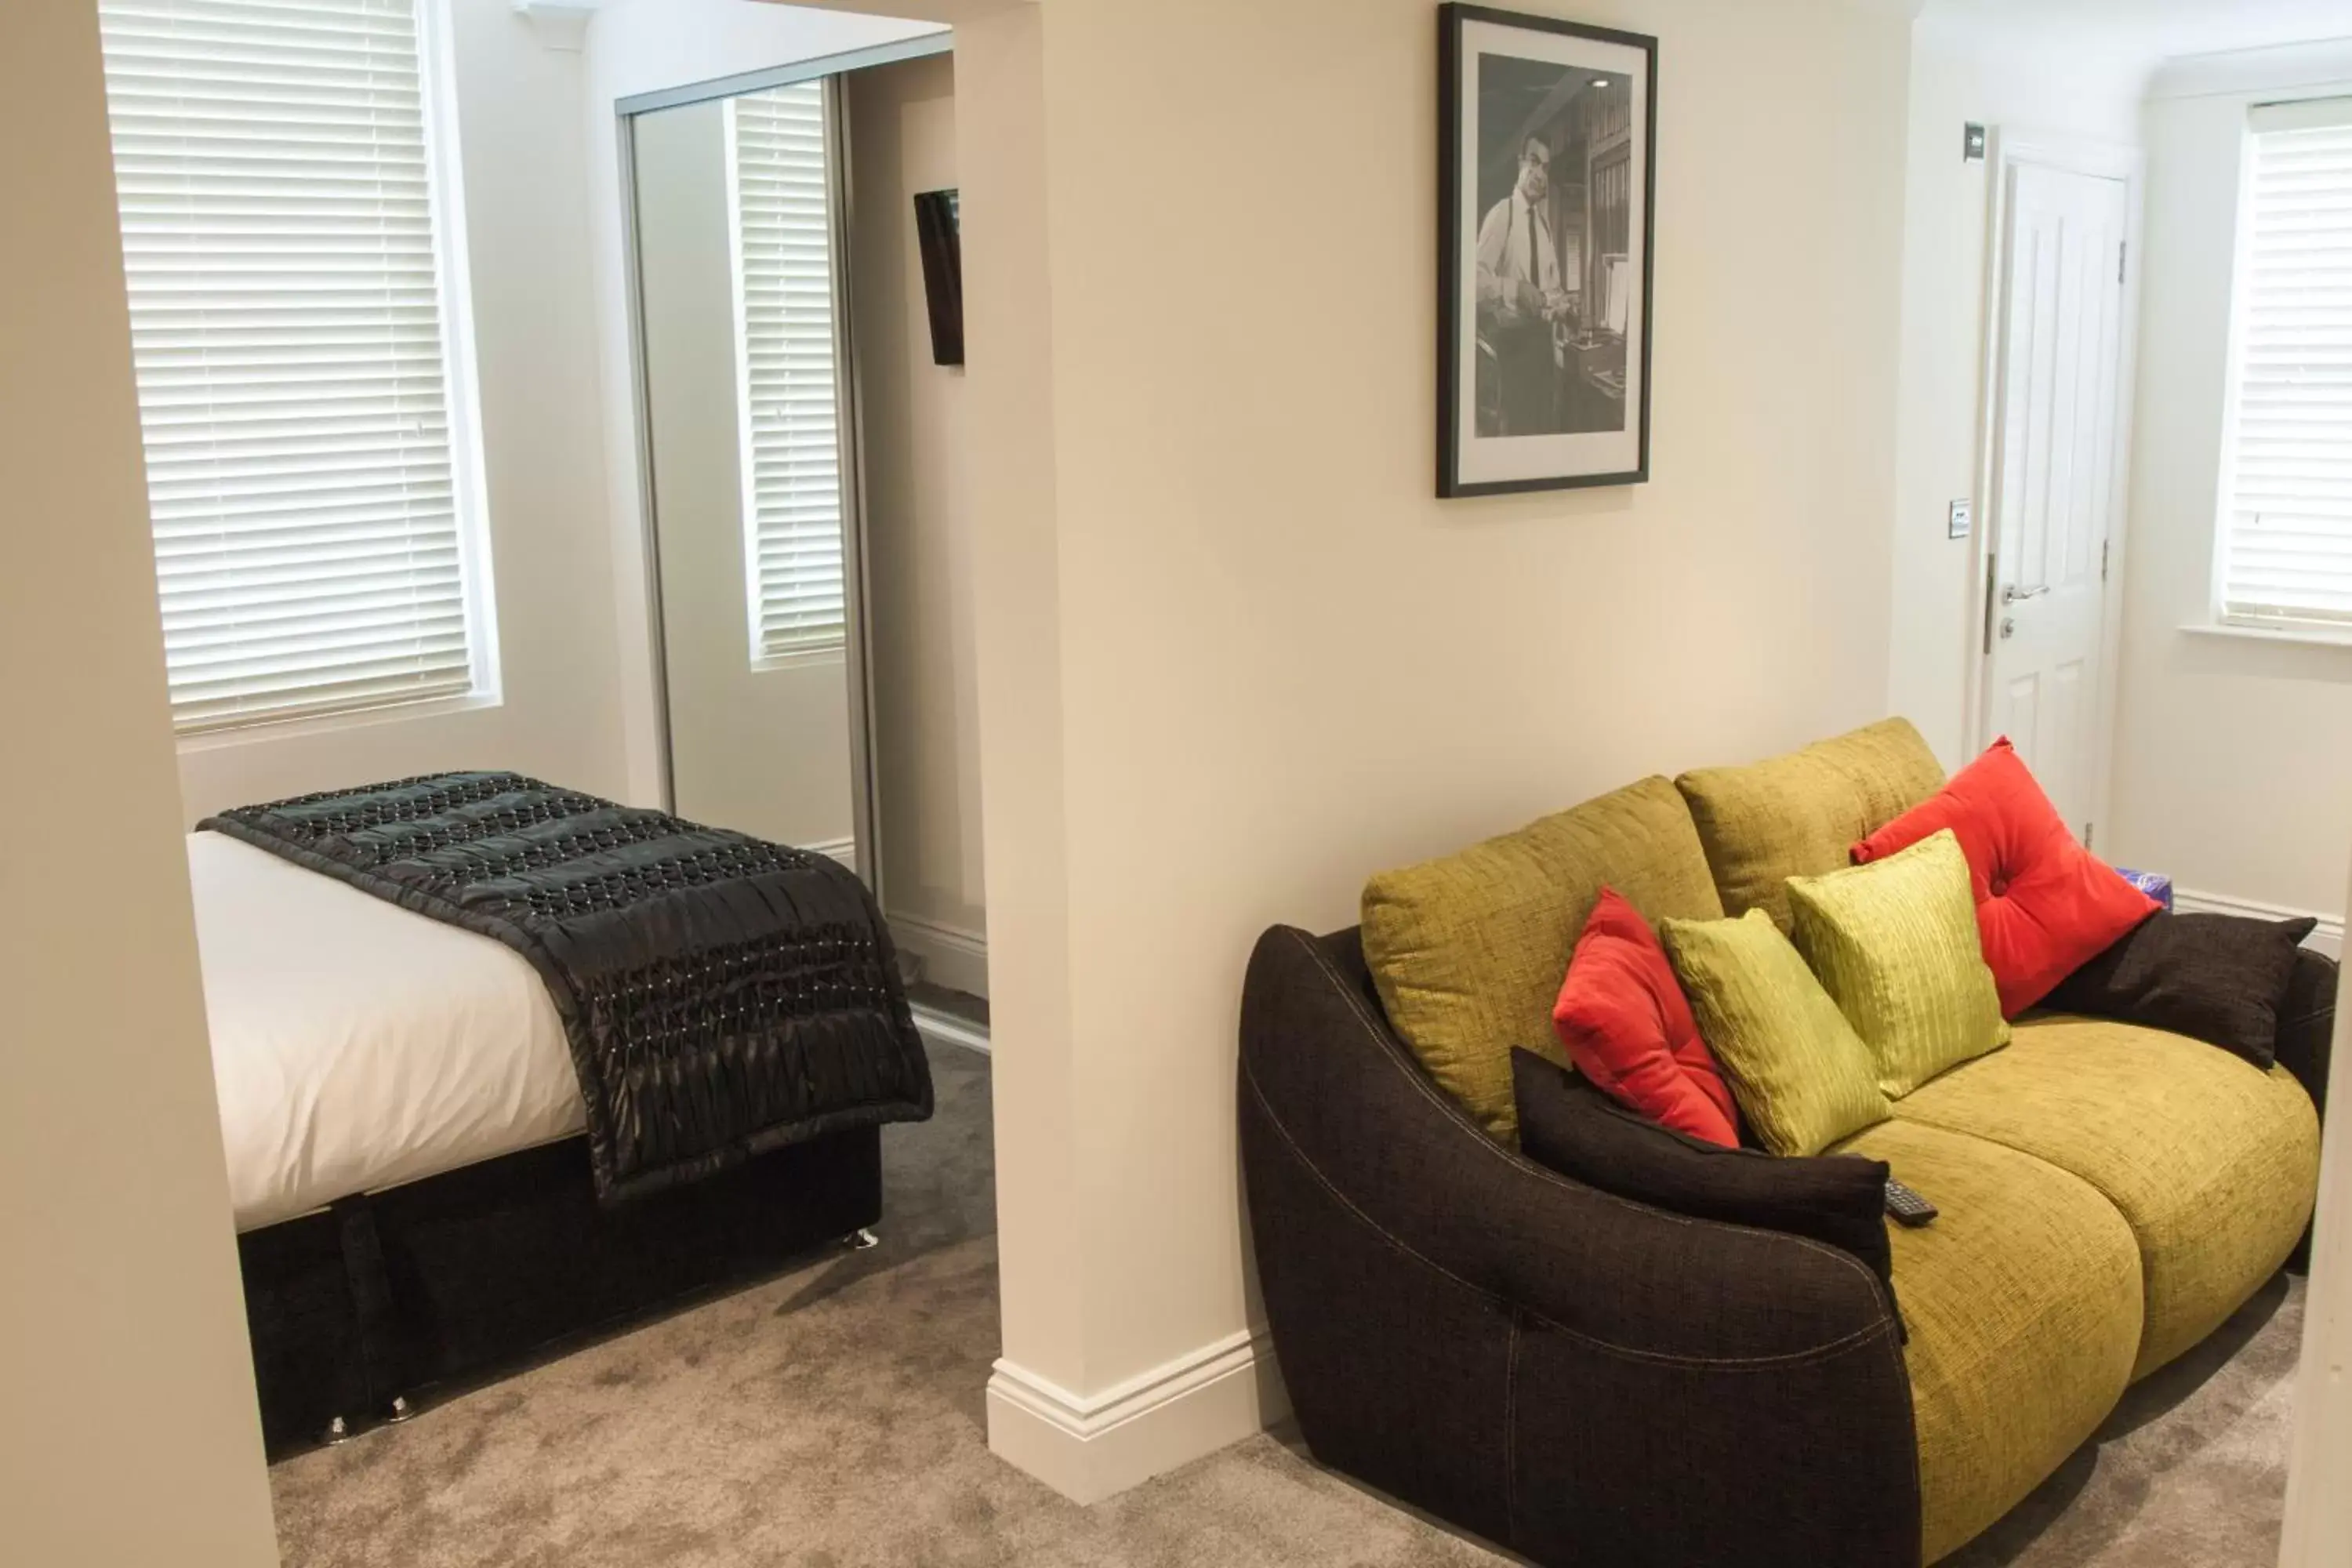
{"type": "Point", "coordinates": [128, 1429]}
{"type": "Point", "coordinates": [522, 148]}
{"type": "Point", "coordinates": [2231, 753]}
{"type": "Point", "coordinates": [765, 751]}
{"type": "Point", "coordinates": [1009, 452]}
{"type": "Point", "coordinates": [2025, 77]}
{"type": "Point", "coordinates": [919, 544]}
{"type": "Point", "coordinates": [1233, 656]}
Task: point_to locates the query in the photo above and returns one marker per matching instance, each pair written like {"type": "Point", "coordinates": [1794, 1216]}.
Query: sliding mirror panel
{"type": "Point", "coordinates": [748, 444]}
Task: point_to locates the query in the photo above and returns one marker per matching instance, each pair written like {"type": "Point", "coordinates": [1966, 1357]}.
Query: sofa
{"type": "Point", "coordinates": [1590, 1381]}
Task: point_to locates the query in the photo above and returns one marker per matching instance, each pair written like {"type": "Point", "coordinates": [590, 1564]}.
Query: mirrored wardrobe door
{"type": "Point", "coordinates": [747, 441]}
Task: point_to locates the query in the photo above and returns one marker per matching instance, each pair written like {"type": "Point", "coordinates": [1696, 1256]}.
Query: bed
{"type": "Point", "coordinates": [436, 1175]}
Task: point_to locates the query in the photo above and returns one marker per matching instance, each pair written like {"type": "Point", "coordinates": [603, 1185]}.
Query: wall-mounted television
{"type": "Point", "coordinates": [939, 229]}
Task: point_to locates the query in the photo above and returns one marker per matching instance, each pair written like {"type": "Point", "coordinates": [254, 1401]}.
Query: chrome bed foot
{"type": "Point", "coordinates": [401, 1409]}
{"type": "Point", "coordinates": [860, 1240]}
{"type": "Point", "coordinates": [338, 1431]}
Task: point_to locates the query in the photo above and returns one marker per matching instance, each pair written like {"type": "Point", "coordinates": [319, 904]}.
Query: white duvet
{"type": "Point", "coordinates": [357, 1045]}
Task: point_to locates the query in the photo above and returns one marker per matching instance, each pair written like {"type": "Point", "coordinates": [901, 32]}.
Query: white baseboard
{"type": "Point", "coordinates": [2328, 937]}
{"type": "Point", "coordinates": [842, 849]}
{"type": "Point", "coordinates": [947, 1029]}
{"type": "Point", "coordinates": [951, 956]}
{"type": "Point", "coordinates": [1090, 1447]}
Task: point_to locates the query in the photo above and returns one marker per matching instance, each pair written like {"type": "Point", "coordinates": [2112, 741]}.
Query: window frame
{"type": "Point", "coordinates": [438, 97]}
{"type": "Point", "coordinates": [436, 64]}
{"type": "Point", "coordinates": [2222, 618]}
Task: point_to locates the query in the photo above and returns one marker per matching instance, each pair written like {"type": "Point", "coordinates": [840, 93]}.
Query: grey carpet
{"type": "Point", "coordinates": [833, 1416]}
{"type": "Point", "coordinates": [2190, 1469]}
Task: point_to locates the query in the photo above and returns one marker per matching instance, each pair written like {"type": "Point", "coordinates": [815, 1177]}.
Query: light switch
{"type": "Point", "coordinates": [1957, 520]}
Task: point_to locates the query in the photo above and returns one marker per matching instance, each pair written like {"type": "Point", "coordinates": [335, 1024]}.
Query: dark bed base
{"type": "Point", "coordinates": [446, 1281]}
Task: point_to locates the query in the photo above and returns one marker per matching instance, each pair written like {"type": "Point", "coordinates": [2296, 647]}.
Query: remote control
{"type": "Point", "coordinates": [1907, 1206]}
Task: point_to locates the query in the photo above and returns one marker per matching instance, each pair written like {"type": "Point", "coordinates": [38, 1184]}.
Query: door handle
{"type": "Point", "coordinates": [2012, 594]}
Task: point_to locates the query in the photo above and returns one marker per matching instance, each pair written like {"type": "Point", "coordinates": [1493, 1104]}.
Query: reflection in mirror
{"type": "Point", "coordinates": [752, 533]}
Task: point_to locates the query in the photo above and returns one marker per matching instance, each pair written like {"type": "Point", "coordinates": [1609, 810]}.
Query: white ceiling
{"type": "Point", "coordinates": [2160, 29]}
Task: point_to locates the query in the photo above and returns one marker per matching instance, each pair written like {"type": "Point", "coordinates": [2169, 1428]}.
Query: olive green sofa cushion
{"type": "Point", "coordinates": [1799, 814]}
{"type": "Point", "coordinates": [1468, 951]}
{"type": "Point", "coordinates": [2022, 1304]}
{"type": "Point", "coordinates": [2211, 1161]}
{"type": "Point", "coordinates": [1802, 1077]}
{"type": "Point", "coordinates": [1894, 943]}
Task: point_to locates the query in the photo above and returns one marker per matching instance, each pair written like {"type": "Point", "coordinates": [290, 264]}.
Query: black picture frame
{"type": "Point", "coordinates": [938, 235]}
{"type": "Point", "coordinates": [1599, 339]}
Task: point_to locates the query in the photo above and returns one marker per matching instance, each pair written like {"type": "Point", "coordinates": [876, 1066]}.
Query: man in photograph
{"type": "Point", "coordinates": [1521, 294]}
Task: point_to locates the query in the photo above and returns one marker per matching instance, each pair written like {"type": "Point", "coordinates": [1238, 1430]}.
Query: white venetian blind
{"type": "Point", "coordinates": [2287, 519]}
{"type": "Point", "coordinates": [286, 323]}
{"type": "Point", "coordinates": [784, 317]}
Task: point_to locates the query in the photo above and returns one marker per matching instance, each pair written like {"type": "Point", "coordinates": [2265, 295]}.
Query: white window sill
{"type": "Point", "coordinates": [332, 723]}
{"type": "Point", "coordinates": [2314, 638]}
{"type": "Point", "coordinates": [808, 659]}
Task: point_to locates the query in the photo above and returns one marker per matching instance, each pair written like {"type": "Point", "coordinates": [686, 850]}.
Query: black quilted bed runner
{"type": "Point", "coordinates": [723, 996]}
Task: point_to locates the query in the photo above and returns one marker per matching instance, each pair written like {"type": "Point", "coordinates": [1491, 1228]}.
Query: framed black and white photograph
{"type": "Point", "coordinates": [1546, 186]}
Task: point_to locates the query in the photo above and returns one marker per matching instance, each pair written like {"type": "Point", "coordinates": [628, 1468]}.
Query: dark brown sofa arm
{"type": "Point", "coordinates": [1586, 1379]}
{"type": "Point", "coordinates": [2306, 1030]}
{"type": "Point", "coordinates": [2307, 1047]}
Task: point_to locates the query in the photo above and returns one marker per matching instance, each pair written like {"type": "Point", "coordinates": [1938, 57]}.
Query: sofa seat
{"type": "Point", "coordinates": [2022, 1304]}
{"type": "Point", "coordinates": [2212, 1160]}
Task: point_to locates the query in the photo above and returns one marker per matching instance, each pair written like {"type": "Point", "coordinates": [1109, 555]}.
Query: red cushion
{"type": "Point", "coordinates": [1627, 1028]}
{"type": "Point", "coordinates": [2046, 905]}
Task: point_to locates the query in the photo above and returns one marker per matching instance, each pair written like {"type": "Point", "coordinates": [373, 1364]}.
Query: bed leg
{"type": "Point", "coordinates": [401, 1409]}
{"type": "Point", "coordinates": [860, 1240]}
{"type": "Point", "coordinates": [338, 1431]}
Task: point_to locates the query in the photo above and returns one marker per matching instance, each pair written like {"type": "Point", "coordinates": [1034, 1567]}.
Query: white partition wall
{"type": "Point", "coordinates": [128, 1428]}
{"type": "Point", "coordinates": [1234, 655]}
{"type": "Point", "coordinates": [2318, 1531]}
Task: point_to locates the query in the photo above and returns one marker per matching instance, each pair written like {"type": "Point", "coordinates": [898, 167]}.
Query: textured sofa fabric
{"type": "Point", "coordinates": [2306, 1029]}
{"type": "Point", "coordinates": [1894, 943]}
{"type": "Point", "coordinates": [1470, 949]}
{"type": "Point", "coordinates": [2211, 1161]}
{"type": "Point", "coordinates": [2216, 978]}
{"type": "Point", "coordinates": [1584, 1379]}
{"type": "Point", "coordinates": [2306, 1042]}
{"type": "Point", "coordinates": [2023, 1305]}
{"type": "Point", "coordinates": [2044, 904]}
{"type": "Point", "coordinates": [1803, 1077]}
{"type": "Point", "coordinates": [1799, 815]}
{"type": "Point", "coordinates": [1569, 1126]}
{"type": "Point", "coordinates": [1592, 1380]}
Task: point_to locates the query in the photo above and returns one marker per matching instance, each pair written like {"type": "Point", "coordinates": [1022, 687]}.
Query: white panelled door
{"type": "Point", "coordinates": [2055, 429]}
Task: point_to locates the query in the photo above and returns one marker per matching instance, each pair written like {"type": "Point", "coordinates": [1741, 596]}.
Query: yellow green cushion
{"type": "Point", "coordinates": [2213, 1162]}
{"type": "Point", "coordinates": [1802, 1077]}
{"type": "Point", "coordinates": [2023, 1301]}
{"type": "Point", "coordinates": [1468, 953]}
{"type": "Point", "coordinates": [1797, 816]}
{"type": "Point", "coordinates": [1894, 943]}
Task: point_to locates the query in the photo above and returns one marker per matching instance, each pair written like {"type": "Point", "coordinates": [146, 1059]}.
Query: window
{"type": "Point", "coordinates": [2285, 544]}
{"type": "Point", "coordinates": [785, 329]}
{"type": "Point", "coordinates": [315, 539]}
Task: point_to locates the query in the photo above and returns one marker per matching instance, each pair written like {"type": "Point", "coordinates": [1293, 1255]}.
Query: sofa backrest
{"type": "Point", "coordinates": [1468, 951]}
{"type": "Point", "coordinates": [1797, 815]}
